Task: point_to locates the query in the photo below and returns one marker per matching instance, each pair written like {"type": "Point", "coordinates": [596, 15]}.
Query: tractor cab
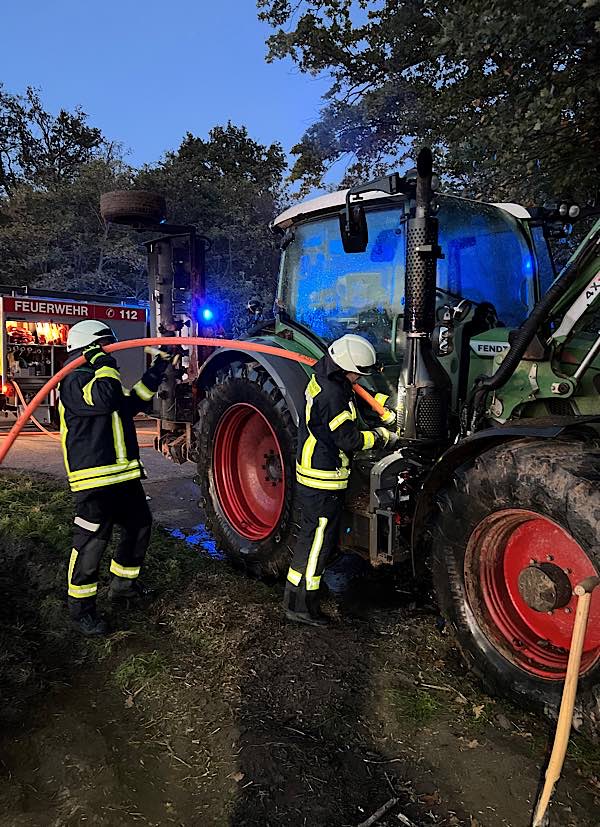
{"type": "Point", "coordinates": [494, 268]}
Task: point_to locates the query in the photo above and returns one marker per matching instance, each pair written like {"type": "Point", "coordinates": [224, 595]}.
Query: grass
{"type": "Point", "coordinates": [585, 753]}
{"type": "Point", "coordinates": [104, 648]}
{"type": "Point", "coordinates": [52, 611]}
{"type": "Point", "coordinates": [38, 512]}
{"type": "Point", "coordinates": [137, 671]}
{"type": "Point", "coordinates": [200, 640]}
{"type": "Point", "coordinates": [35, 510]}
{"type": "Point", "coordinates": [418, 707]}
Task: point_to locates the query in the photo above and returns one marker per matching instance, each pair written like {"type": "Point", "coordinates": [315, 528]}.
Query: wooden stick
{"type": "Point", "coordinates": [565, 717]}
{"type": "Point", "coordinates": [379, 814]}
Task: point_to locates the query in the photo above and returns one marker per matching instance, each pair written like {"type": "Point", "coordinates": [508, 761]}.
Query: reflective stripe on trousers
{"type": "Point", "coordinates": [79, 592]}
{"type": "Point", "coordinates": [98, 510]}
{"type": "Point", "coordinates": [316, 543]}
{"type": "Point", "coordinates": [313, 581]}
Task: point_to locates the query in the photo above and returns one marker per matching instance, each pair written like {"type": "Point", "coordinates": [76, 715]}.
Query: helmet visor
{"type": "Point", "coordinates": [107, 338]}
{"type": "Point", "coordinates": [369, 370]}
{"type": "Point", "coordinates": [105, 332]}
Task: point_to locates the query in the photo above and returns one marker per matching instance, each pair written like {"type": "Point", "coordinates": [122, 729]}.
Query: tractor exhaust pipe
{"type": "Point", "coordinates": [424, 384]}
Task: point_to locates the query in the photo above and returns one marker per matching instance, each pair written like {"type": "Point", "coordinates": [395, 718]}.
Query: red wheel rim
{"type": "Point", "coordinates": [502, 546]}
{"type": "Point", "coordinates": [248, 471]}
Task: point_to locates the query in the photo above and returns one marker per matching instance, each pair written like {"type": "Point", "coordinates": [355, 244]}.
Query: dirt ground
{"type": "Point", "coordinates": [205, 708]}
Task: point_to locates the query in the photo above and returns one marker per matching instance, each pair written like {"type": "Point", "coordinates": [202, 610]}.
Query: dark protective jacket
{"type": "Point", "coordinates": [100, 445]}
{"type": "Point", "coordinates": [329, 434]}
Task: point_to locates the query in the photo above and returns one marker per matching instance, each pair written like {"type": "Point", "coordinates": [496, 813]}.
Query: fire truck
{"type": "Point", "coordinates": [34, 325]}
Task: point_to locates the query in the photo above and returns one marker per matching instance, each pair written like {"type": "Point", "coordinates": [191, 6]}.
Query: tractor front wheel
{"type": "Point", "coordinates": [512, 535]}
{"type": "Point", "coordinates": [246, 442]}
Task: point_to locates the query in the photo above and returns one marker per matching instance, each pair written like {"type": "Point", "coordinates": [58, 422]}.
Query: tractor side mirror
{"type": "Point", "coordinates": [353, 229]}
{"type": "Point", "coordinates": [353, 221]}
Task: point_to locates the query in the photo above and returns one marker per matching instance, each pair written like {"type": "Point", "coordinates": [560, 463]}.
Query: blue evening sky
{"type": "Point", "coordinates": [147, 72]}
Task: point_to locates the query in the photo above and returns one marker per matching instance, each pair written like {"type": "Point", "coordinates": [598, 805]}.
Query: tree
{"type": "Point", "coordinates": [229, 187]}
{"type": "Point", "coordinates": [53, 170]}
{"type": "Point", "coordinates": [56, 239]}
{"type": "Point", "coordinates": [505, 91]}
{"type": "Point", "coordinates": [39, 148]}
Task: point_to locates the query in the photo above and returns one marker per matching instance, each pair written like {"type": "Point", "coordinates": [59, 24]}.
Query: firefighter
{"type": "Point", "coordinates": [328, 436]}
{"type": "Point", "coordinates": [102, 460]}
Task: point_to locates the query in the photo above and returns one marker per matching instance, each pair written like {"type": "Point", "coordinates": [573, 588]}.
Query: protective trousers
{"type": "Point", "coordinates": [316, 545]}
{"type": "Point", "coordinates": [97, 511]}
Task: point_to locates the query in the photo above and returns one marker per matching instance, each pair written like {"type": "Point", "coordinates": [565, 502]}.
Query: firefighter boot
{"type": "Point", "coordinates": [300, 610]}
{"type": "Point", "coordinates": [90, 624]}
{"type": "Point", "coordinates": [306, 618]}
{"type": "Point", "coordinates": [122, 589]}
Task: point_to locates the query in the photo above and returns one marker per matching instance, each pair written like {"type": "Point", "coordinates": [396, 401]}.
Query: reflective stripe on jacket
{"type": "Point", "coordinates": [329, 434]}
{"type": "Point", "coordinates": [98, 434]}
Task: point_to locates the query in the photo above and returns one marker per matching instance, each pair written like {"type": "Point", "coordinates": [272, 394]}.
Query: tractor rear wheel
{"type": "Point", "coordinates": [512, 535]}
{"type": "Point", "coordinates": [246, 441]}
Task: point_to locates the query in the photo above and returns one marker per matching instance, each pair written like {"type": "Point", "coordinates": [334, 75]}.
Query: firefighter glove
{"type": "Point", "coordinates": [386, 438]}
{"type": "Point", "coordinates": [388, 418]}
{"type": "Point", "coordinates": [97, 357]}
{"type": "Point", "coordinates": [160, 363]}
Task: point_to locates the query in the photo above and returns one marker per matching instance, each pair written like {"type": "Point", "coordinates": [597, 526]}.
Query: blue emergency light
{"type": "Point", "coordinates": [207, 314]}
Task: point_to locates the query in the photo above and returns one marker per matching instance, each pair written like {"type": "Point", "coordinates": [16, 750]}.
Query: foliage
{"type": "Point", "coordinates": [39, 148]}
{"type": "Point", "coordinates": [506, 92]}
{"type": "Point", "coordinates": [53, 170]}
{"type": "Point", "coordinates": [228, 186]}
{"type": "Point", "coordinates": [56, 239]}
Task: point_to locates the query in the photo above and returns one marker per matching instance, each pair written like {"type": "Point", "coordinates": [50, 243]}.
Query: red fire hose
{"type": "Point", "coordinates": [41, 430]}
{"type": "Point", "coordinates": [166, 341]}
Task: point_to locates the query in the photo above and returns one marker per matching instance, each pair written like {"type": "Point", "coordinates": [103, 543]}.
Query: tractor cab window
{"type": "Point", "coordinates": [333, 292]}
{"type": "Point", "coordinates": [487, 258]}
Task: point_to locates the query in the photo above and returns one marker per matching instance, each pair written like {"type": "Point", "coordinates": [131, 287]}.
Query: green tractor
{"type": "Point", "coordinates": [492, 362]}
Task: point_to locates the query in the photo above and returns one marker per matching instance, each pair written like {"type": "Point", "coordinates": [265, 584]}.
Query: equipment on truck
{"type": "Point", "coordinates": [492, 366]}
{"type": "Point", "coordinates": [34, 328]}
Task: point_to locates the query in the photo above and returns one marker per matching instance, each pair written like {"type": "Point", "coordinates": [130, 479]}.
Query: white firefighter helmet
{"type": "Point", "coordinates": [353, 354]}
{"type": "Point", "coordinates": [84, 334]}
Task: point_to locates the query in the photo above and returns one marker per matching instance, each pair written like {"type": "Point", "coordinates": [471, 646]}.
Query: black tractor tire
{"type": "Point", "coordinates": [135, 207]}
{"type": "Point", "coordinates": [557, 480]}
{"type": "Point", "coordinates": [250, 384]}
